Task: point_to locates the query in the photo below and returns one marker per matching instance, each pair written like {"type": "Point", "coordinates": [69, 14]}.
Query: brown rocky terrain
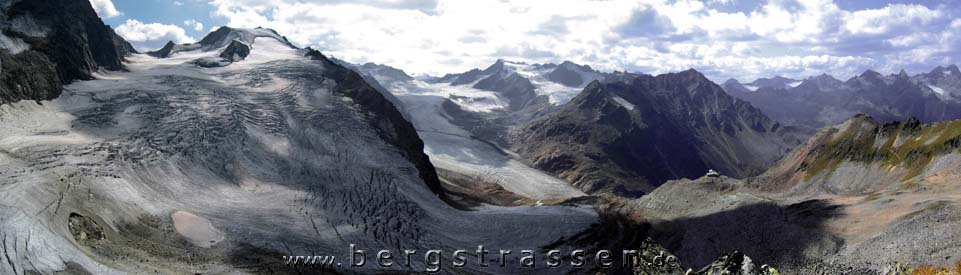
{"type": "Point", "coordinates": [860, 195]}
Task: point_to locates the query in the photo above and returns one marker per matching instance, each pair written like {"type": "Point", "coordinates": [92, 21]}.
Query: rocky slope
{"type": "Point", "coordinates": [632, 133]}
{"type": "Point", "coordinates": [823, 100]}
{"type": "Point", "coordinates": [48, 43]}
{"type": "Point", "coordinates": [856, 197]}
{"type": "Point", "coordinates": [863, 156]}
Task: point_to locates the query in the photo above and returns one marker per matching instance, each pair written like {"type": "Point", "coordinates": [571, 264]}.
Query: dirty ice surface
{"type": "Point", "coordinates": [256, 157]}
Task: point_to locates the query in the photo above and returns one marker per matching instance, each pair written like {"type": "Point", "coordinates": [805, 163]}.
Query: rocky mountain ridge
{"type": "Point", "coordinates": [636, 131]}
{"type": "Point", "coordinates": [823, 100]}
{"type": "Point", "coordinates": [49, 43]}
{"type": "Point", "coordinates": [526, 85]}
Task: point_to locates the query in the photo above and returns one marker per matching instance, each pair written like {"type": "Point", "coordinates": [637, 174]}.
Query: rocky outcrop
{"type": "Point", "coordinates": [630, 136]}
{"type": "Point", "coordinates": [53, 42]}
{"type": "Point", "coordinates": [165, 51]}
{"type": "Point", "coordinates": [235, 51]}
{"type": "Point", "coordinates": [570, 74]}
{"type": "Point", "coordinates": [377, 76]}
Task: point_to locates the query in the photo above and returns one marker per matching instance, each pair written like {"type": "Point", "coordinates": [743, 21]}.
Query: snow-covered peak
{"type": "Point", "coordinates": [224, 35]}
{"type": "Point", "coordinates": [221, 38]}
{"type": "Point", "coordinates": [952, 70]}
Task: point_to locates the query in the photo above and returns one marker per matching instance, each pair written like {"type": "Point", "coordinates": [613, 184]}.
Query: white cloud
{"type": "Point", "coordinates": [105, 8]}
{"type": "Point", "coordinates": [150, 36]}
{"type": "Point", "coordinates": [194, 24]}
{"type": "Point", "coordinates": [178, 3]}
{"type": "Point", "coordinates": [880, 21]}
{"type": "Point", "coordinates": [794, 38]}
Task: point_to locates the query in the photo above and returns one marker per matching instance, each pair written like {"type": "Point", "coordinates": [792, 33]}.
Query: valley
{"type": "Point", "coordinates": [239, 151]}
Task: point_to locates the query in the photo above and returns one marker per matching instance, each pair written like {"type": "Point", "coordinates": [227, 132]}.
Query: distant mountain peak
{"type": "Point", "coordinates": [824, 77]}
{"type": "Point", "coordinates": [224, 35]}
{"type": "Point", "coordinates": [903, 74]}
{"type": "Point", "coordinates": [776, 82]}
{"type": "Point", "coordinates": [385, 71]}
{"type": "Point", "coordinates": [221, 38]}
{"type": "Point", "coordinates": [692, 73]}
{"type": "Point", "coordinates": [571, 65]}
{"type": "Point", "coordinates": [953, 69]}
{"type": "Point", "coordinates": [870, 74]}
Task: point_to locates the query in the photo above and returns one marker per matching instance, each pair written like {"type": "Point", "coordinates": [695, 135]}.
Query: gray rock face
{"type": "Point", "coordinates": [53, 42]}
{"type": "Point", "coordinates": [514, 87]}
{"type": "Point", "coordinates": [630, 136]}
{"type": "Point", "coordinates": [374, 74]}
{"type": "Point", "coordinates": [570, 74]}
{"type": "Point", "coordinates": [165, 51]}
{"type": "Point", "coordinates": [235, 51]}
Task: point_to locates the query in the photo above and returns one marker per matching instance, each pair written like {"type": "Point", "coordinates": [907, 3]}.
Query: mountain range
{"type": "Point", "coordinates": [823, 100]}
{"type": "Point", "coordinates": [224, 155]}
{"type": "Point", "coordinates": [638, 131]}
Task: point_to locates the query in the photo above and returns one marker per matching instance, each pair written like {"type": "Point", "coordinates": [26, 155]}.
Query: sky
{"type": "Point", "coordinates": [720, 38]}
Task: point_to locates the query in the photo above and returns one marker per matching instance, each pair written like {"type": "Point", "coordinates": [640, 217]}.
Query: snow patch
{"type": "Point", "coordinates": [13, 44]}
{"type": "Point", "coordinates": [623, 103]}
{"type": "Point", "coordinates": [557, 93]}
{"type": "Point", "coordinates": [468, 98]}
{"type": "Point", "coordinates": [795, 84]}
{"type": "Point", "coordinates": [198, 230]}
{"type": "Point", "coordinates": [936, 89]}
{"type": "Point", "coordinates": [267, 50]}
{"type": "Point", "coordinates": [751, 87]}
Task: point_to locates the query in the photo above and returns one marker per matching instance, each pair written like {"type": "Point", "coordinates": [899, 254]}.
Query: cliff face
{"type": "Point", "coordinates": [48, 43]}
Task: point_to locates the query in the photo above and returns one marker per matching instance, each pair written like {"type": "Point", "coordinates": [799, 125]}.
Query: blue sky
{"type": "Point", "coordinates": [722, 38]}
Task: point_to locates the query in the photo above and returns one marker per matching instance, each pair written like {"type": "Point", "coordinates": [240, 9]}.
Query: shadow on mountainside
{"type": "Point", "coordinates": [784, 236]}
